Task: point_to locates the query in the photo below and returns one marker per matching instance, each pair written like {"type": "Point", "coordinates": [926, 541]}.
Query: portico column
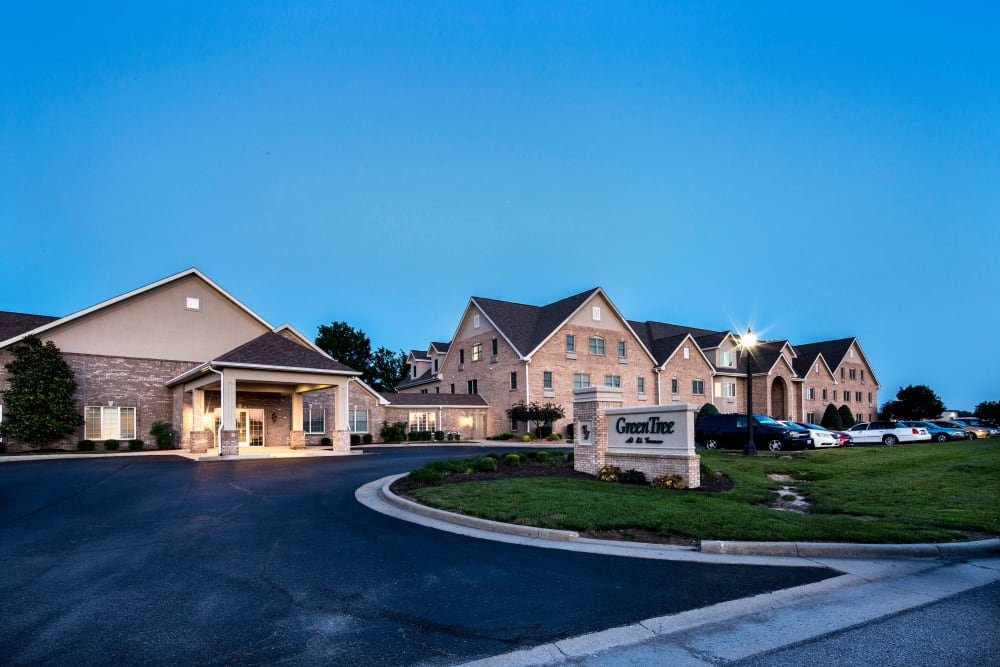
{"type": "Point", "coordinates": [230, 436]}
{"type": "Point", "coordinates": [341, 435]}
{"type": "Point", "coordinates": [296, 436]}
{"type": "Point", "coordinates": [197, 441]}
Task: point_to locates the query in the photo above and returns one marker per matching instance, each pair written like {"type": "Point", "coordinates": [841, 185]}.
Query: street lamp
{"type": "Point", "coordinates": [747, 341]}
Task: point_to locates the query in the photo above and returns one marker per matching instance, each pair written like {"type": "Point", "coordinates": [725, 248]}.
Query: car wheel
{"type": "Point", "coordinates": [890, 440]}
{"type": "Point", "coordinates": [774, 445]}
{"type": "Point", "coordinates": [941, 437]}
{"type": "Point", "coordinates": [711, 443]}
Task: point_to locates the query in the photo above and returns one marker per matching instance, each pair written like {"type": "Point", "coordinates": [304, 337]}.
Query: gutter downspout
{"type": "Point", "coordinates": [222, 407]}
{"type": "Point", "coordinates": [659, 396]}
{"type": "Point", "coordinates": [527, 389]}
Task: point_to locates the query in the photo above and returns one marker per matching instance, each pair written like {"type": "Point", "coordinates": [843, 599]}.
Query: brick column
{"type": "Point", "coordinates": [297, 439]}
{"type": "Point", "coordinates": [230, 443]}
{"type": "Point", "coordinates": [198, 442]}
{"type": "Point", "coordinates": [590, 426]}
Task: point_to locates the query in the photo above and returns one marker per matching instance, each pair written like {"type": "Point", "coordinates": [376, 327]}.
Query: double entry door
{"type": "Point", "coordinates": [250, 426]}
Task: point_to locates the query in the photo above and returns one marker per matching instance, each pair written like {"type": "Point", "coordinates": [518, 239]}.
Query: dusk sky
{"type": "Point", "coordinates": [816, 171]}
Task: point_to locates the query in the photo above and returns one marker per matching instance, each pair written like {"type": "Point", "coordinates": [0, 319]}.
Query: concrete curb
{"type": "Point", "coordinates": [952, 550]}
{"type": "Point", "coordinates": [471, 521]}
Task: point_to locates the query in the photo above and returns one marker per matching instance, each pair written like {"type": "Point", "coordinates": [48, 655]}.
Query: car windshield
{"type": "Point", "coordinates": [764, 419]}
{"type": "Point", "coordinates": [814, 427]}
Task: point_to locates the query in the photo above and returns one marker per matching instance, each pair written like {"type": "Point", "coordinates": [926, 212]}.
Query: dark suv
{"type": "Point", "coordinates": [730, 432]}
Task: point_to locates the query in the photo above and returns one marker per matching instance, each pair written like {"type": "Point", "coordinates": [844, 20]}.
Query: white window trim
{"type": "Point", "coordinates": [352, 419]}
{"type": "Point", "coordinates": [118, 413]}
{"type": "Point", "coordinates": [307, 419]}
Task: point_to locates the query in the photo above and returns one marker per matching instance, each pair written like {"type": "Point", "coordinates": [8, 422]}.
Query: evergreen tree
{"type": "Point", "coordinates": [707, 409]}
{"type": "Point", "coordinates": [39, 403]}
{"type": "Point", "coordinates": [831, 418]}
{"type": "Point", "coordinates": [846, 418]}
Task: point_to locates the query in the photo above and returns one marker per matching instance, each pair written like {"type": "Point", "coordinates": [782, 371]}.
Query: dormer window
{"type": "Point", "coordinates": [726, 358]}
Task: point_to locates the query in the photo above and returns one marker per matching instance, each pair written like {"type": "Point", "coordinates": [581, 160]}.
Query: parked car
{"type": "Point", "coordinates": [941, 433]}
{"type": "Point", "coordinates": [978, 423]}
{"type": "Point", "coordinates": [888, 433]}
{"type": "Point", "coordinates": [820, 436]}
{"type": "Point", "coordinates": [845, 437]}
{"type": "Point", "coordinates": [975, 431]}
{"type": "Point", "coordinates": [729, 431]}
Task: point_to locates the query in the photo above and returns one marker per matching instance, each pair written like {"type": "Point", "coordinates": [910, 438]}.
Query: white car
{"type": "Point", "coordinates": [888, 433]}
{"type": "Point", "coordinates": [820, 436]}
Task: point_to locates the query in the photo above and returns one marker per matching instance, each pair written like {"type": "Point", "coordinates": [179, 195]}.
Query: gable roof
{"type": "Point", "coordinates": [833, 351]}
{"type": "Point", "coordinates": [427, 376]}
{"type": "Point", "coordinates": [764, 356]}
{"type": "Point", "coordinates": [15, 324]}
{"type": "Point", "coordinates": [56, 322]}
{"type": "Point", "coordinates": [275, 351]}
{"type": "Point", "coordinates": [663, 339]}
{"type": "Point", "coordinates": [807, 359]}
{"type": "Point", "coordinates": [526, 327]}
{"type": "Point", "coordinates": [441, 347]}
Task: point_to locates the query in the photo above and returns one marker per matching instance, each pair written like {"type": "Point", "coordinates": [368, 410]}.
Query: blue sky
{"type": "Point", "coordinates": [819, 171]}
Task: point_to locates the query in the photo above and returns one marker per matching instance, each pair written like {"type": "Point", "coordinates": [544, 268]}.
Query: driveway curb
{"type": "Point", "coordinates": [952, 550]}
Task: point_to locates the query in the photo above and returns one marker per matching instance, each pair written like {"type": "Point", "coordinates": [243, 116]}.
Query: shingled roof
{"type": "Point", "coordinates": [526, 327]}
{"type": "Point", "coordinates": [442, 400]}
{"type": "Point", "coordinates": [15, 324]}
{"type": "Point", "coordinates": [425, 377]}
{"type": "Point", "coordinates": [663, 339]}
{"type": "Point", "coordinates": [272, 349]}
{"type": "Point", "coordinates": [833, 351]}
{"type": "Point", "coordinates": [763, 357]}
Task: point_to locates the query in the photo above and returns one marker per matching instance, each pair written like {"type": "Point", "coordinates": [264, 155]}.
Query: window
{"type": "Point", "coordinates": [453, 387]}
{"type": "Point", "coordinates": [595, 312]}
{"type": "Point", "coordinates": [841, 373]}
{"type": "Point", "coordinates": [858, 417]}
{"type": "Point", "coordinates": [687, 353]}
{"type": "Point", "coordinates": [437, 390]}
{"type": "Point", "coordinates": [475, 321]}
{"type": "Point", "coordinates": [642, 385]}
{"type": "Point", "coordinates": [847, 396]}
{"type": "Point", "coordinates": [726, 358]}
{"type": "Point", "coordinates": [110, 423]}
{"type": "Point", "coordinates": [313, 419]}
{"type": "Point", "coordinates": [494, 353]}
{"type": "Point", "coordinates": [851, 353]}
{"type": "Point", "coordinates": [621, 348]}
{"type": "Point", "coordinates": [727, 389]}
{"type": "Point", "coordinates": [824, 393]}
{"type": "Point", "coordinates": [193, 303]}
{"type": "Point", "coordinates": [423, 391]}
{"type": "Point", "coordinates": [513, 380]}
{"type": "Point", "coordinates": [853, 373]}
{"type": "Point", "coordinates": [857, 396]}
{"type": "Point", "coordinates": [570, 343]}
{"type": "Point", "coordinates": [547, 380]}
{"type": "Point", "coordinates": [673, 386]}
{"type": "Point", "coordinates": [581, 380]}
{"type": "Point", "coordinates": [811, 417]}
{"type": "Point", "coordinates": [435, 365]}
{"type": "Point", "coordinates": [862, 376]}
{"type": "Point", "coordinates": [869, 398]}
{"type": "Point", "coordinates": [461, 356]}
{"type": "Point", "coordinates": [422, 421]}
{"type": "Point", "coordinates": [477, 351]}
{"type": "Point", "coordinates": [473, 386]}
{"type": "Point", "coordinates": [413, 372]}
{"type": "Point", "coordinates": [597, 345]}
{"type": "Point", "coordinates": [835, 395]}
{"type": "Point", "coordinates": [612, 380]}
{"type": "Point", "coordinates": [513, 425]}
{"type": "Point", "coordinates": [698, 387]}
{"type": "Point", "coordinates": [811, 393]}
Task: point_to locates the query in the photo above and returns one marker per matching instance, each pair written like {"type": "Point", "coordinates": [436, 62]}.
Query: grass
{"type": "Point", "coordinates": [907, 493]}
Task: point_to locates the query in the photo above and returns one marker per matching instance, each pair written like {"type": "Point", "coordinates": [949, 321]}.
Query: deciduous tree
{"type": "Point", "coordinates": [915, 402]}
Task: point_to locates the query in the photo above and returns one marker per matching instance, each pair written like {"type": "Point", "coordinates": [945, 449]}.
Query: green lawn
{"type": "Point", "coordinates": [907, 493]}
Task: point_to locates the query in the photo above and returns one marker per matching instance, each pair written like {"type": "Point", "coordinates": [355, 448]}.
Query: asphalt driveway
{"type": "Point", "coordinates": [162, 560]}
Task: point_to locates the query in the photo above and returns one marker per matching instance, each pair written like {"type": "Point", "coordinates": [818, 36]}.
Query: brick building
{"type": "Point", "coordinates": [509, 353]}
{"type": "Point", "coordinates": [184, 351]}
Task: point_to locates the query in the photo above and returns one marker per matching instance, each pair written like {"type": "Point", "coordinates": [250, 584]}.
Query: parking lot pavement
{"type": "Point", "coordinates": [164, 560]}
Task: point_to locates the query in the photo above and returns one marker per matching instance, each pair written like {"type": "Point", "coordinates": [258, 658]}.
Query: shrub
{"type": "Point", "coordinates": [668, 482]}
{"type": "Point", "coordinates": [569, 431]}
{"type": "Point", "coordinates": [831, 418]}
{"type": "Point", "coordinates": [326, 442]}
{"type": "Point", "coordinates": [439, 435]}
{"type": "Point", "coordinates": [86, 445]}
{"type": "Point", "coordinates": [413, 436]}
{"type": "Point", "coordinates": [502, 436]}
{"type": "Point", "coordinates": [355, 439]}
{"type": "Point", "coordinates": [544, 431]}
{"type": "Point", "coordinates": [395, 432]}
{"type": "Point", "coordinates": [111, 444]}
{"type": "Point", "coordinates": [543, 457]}
{"type": "Point", "coordinates": [707, 409]}
{"type": "Point", "coordinates": [487, 464]}
{"type": "Point", "coordinates": [425, 475]}
{"type": "Point", "coordinates": [552, 437]}
{"type": "Point", "coordinates": [528, 455]}
{"type": "Point", "coordinates": [512, 460]}
{"type": "Point", "coordinates": [526, 437]}
{"type": "Point", "coordinates": [633, 477]}
{"type": "Point", "coordinates": [136, 445]}
{"type": "Point", "coordinates": [163, 433]}
{"type": "Point", "coordinates": [570, 456]}
{"type": "Point", "coordinates": [366, 438]}
{"type": "Point", "coordinates": [846, 418]}
{"type": "Point", "coordinates": [609, 474]}
{"type": "Point", "coordinates": [558, 454]}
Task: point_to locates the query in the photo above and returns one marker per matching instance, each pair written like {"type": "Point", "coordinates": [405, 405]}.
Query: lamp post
{"type": "Point", "coordinates": [747, 341]}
